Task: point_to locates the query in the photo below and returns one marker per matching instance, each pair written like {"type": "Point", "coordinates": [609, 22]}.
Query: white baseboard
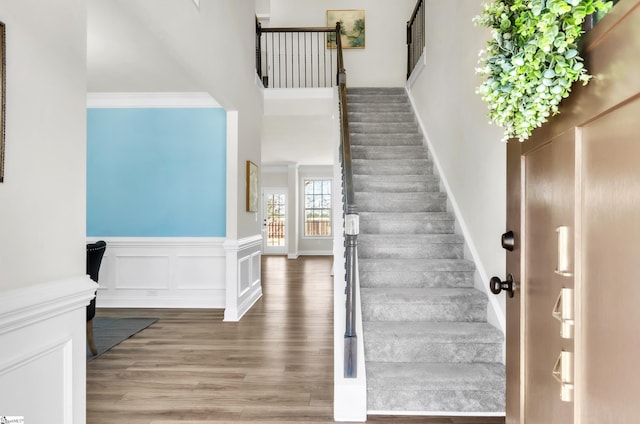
{"type": "Point", "coordinates": [315, 253]}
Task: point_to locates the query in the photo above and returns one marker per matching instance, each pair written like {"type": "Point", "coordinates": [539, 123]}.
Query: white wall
{"type": "Point", "coordinates": [468, 149]}
{"type": "Point", "coordinates": [42, 199]}
{"type": "Point", "coordinates": [43, 286]}
{"type": "Point", "coordinates": [263, 7]}
{"type": "Point", "coordinates": [169, 46]}
{"type": "Point", "coordinates": [297, 126]}
{"type": "Point", "coordinates": [383, 61]}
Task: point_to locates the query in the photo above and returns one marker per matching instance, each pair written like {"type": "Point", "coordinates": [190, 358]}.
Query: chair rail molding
{"type": "Point", "coordinates": [244, 283]}
{"type": "Point", "coordinates": [42, 328]}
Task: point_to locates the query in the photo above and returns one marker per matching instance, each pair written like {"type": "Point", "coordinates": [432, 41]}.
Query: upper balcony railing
{"type": "Point", "coordinates": [296, 57]}
{"type": "Point", "coordinates": [415, 36]}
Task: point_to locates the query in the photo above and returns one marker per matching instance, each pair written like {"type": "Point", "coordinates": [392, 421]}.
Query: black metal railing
{"type": "Point", "coordinates": [415, 36]}
{"type": "Point", "coordinates": [296, 57]}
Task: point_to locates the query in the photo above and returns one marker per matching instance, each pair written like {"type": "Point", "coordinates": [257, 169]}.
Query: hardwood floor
{"type": "Point", "coordinates": [275, 365]}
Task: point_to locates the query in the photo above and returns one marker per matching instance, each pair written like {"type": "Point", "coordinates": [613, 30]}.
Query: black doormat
{"type": "Point", "coordinates": [109, 332]}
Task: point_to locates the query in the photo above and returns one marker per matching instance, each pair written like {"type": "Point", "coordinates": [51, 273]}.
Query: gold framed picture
{"type": "Point", "coordinates": [252, 187]}
{"type": "Point", "coordinates": [352, 28]}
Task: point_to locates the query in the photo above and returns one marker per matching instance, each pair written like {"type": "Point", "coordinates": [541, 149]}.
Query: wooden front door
{"type": "Point", "coordinates": [573, 332]}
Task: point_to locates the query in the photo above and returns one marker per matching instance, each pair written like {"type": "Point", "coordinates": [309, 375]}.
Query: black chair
{"type": "Point", "coordinates": [95, 252]}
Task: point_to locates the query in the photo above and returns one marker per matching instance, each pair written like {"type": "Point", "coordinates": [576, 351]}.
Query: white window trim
{"type": "Point", "coordinates": [303, 209]}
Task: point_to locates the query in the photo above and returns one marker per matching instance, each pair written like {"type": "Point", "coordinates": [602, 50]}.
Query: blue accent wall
{"type": "Point", "coordinates": [156, 172]}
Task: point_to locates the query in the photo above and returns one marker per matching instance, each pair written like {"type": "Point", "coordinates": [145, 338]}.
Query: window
{"type": "Point", "coordinates": [317, 208]}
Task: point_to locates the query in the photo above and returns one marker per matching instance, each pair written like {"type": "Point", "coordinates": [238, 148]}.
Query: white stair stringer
{"type": "Point", "coordinates": [428, 347]}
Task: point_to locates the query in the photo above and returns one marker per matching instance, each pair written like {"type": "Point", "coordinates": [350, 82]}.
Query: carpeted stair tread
{"type": "Point", "coordinates": [406, 223]}
{"type": "Point", "coordinates": [363, 183]}
{"type": "Point", "coordinates": [438, 387]}
{"type": "Point", "coordinates": [459, 342]}
{"type": "Point", "coordinates": [390, 117]}
{"type": "Point", "coordinates": [411, 238]}
{"type": "Point", "coordinates": [416, 216]}
{"type": "Point", "coordinates": [423, 273]}
{"type": "Point", "coordinates": [413, 295]}
{"type": "Point", "coordinates": [379, 107]}
{"type": "Point", "coordinates": [435, 332]}
{"type": "Point", "coordinates": [447, 265]}
{"type": "Point", "coordinates": [392, 167]}
{"type": "Point", "coordinates": [377, 98]}
{"type": "Point", "coordinates": [388, 152]}
{"type": "Point", "coordinates": [442, 246]}
{"type": "Point", "coordinates": [382, 163]}
{"type": "Point", "coordinates": [396, 139]}
{"type": "Point", "coordinates": [435, 376]}
{"type": "Point", "coordinates": [376, 90]}
{"type": "Point", "coordinates": [410, 202]}
{"type": "Point", "coordinates": [423, 304]}
{"type": "Point", "coordinates": [381, 128]}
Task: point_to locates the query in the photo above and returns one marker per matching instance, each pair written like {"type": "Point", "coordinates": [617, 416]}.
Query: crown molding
{"type": "Point", "coordinates": [151, 100]}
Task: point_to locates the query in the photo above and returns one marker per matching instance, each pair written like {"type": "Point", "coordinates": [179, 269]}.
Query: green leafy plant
{"type": "Point", "coordinates": [532, 59]}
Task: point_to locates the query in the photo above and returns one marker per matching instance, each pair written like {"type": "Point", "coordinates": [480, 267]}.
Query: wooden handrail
{"type": "Point", "coordinates": [415, 10]}
{"type": "Point", "coordinates": [351, 222]}
{"type": "Point", "coordinates": [299, 29]}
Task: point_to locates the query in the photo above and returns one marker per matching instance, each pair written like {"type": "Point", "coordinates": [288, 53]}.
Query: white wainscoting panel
{"type": "Point", "coordinates": [43, 351]}
{"type": "Point", "coordinates": [142, 272]}
{"type": "Point", "coordinates": [244, 281]}
{"type": "Point", "coordinates": [244, 284]}
{"type": "Point", "coordinates": [163, 273]}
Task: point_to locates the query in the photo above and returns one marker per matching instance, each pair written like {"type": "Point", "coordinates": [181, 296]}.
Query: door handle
{"type": "Point", "coordinates": [508, 241]}
{"type": "Point", "coordinates": [496, 285]}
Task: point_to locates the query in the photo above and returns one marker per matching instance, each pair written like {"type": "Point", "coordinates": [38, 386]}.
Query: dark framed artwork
{"type": "Point", "coordinates": [252, 187]}
{"type": "Point", "coordinates": [2, 98]}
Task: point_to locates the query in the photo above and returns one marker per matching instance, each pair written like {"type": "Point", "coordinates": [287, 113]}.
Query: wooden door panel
{"type": "Point", "coordinates": [548, 176]}
{"type": "Point", "coordinates": [597, 132]}
{"type": "Point", "coordinates": [610, 320]}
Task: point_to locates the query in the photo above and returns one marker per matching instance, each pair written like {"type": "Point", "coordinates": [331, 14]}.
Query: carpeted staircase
{"type": "Point", "coordinates": [428, 346]}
